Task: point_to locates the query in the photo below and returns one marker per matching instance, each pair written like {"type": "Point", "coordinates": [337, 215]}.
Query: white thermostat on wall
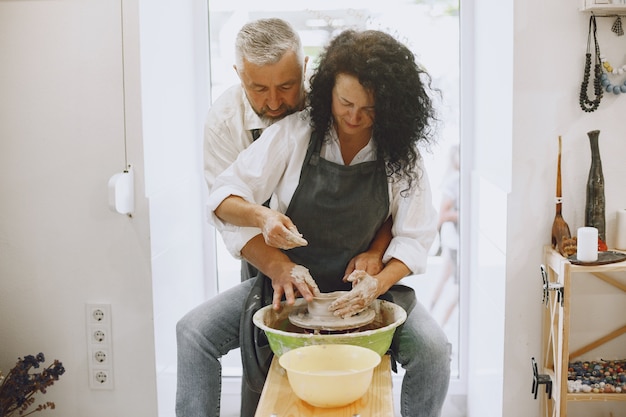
{"type": "Point", "coordinates": [122, 192]}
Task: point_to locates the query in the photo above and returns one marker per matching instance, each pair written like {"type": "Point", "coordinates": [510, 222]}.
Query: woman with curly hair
{"type": "Point", "coordinates": [387, 69]}
{"type": "Point", "coordinates": [335, 172]}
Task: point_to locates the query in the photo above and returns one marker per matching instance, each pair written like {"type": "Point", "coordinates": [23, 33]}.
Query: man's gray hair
{"type": "Point", "coordinates": [265, 41]}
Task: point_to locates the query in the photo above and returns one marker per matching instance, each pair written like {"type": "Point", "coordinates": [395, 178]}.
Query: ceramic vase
{"type": "Point", "coordinates": [595, 201]}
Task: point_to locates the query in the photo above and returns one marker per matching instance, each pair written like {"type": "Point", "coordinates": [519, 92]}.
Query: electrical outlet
{"type": "Point", "coordinates": [99, 336]}
{"type": "Point", "coordinates": [101, 356]}
{"type": "Point", "coordinates": [101, 379]}
{"type": "Point", "coordinates": [99, 346]}
{"type": "Point", "coordinates": [98, 313]}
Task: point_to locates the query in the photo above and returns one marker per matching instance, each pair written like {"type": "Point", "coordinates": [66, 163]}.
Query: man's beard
{"type": "Point", "coordinates": [271, 119]}
{"type": "Point", "coordinates": [287, 111]}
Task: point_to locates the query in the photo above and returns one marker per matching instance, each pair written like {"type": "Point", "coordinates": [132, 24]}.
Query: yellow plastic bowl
{"type": "Point", "coordinates": [330, 375]}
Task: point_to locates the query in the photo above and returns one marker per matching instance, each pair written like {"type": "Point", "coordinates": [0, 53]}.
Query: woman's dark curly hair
{"type": "Point", "coordinates": [403, 109]}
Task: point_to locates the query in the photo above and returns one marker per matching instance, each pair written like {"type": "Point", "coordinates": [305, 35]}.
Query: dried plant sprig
{"type": "Point", "coordinates": [20, 385]}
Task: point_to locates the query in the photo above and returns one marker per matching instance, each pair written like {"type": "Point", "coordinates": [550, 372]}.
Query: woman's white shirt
{"type": "Point", "coordinates": [270, 168]}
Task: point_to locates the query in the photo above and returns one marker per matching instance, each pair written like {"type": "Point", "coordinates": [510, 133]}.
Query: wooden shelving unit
{"type": "Point", "coordinates": [557, 352]}
{"type": "Point", "coordinates": [603, 9]}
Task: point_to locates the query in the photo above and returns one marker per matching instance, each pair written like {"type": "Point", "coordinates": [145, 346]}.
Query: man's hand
{"type": "Point", "coordinates": [371, 260]}
{"type": "Point", "coordinates": [298, 280]}
{"type": "Point", "coordinates": [364, 292]}
{"type": "Point", "coordinates": [366, 261]}
{"type": "Point", "coordinates": [288, 278]}
{"type": "Point", "coordinates": [280, 232]}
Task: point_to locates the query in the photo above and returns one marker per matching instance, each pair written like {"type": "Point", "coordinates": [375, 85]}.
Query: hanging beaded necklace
{"type": "Point", "coordinates": [609, 69]}
{"type": "Point", "coordinates": [585, 103]}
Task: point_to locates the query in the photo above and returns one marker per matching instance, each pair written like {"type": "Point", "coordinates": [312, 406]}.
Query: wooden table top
{"type": "Point", "coordinates": [278, 400]}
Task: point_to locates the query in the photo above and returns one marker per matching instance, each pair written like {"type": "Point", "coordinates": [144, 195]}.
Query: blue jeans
{"type": "Point", "coordinates": [211, 330]}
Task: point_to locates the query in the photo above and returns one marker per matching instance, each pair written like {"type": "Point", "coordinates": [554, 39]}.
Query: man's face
{"type": "Point", "coordinates": [275, 90]}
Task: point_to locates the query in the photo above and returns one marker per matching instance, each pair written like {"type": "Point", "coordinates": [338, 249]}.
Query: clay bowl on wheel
{"type": "Point", "coordinates": [317, 315]}
{"type": "Point", "coordinates": [319, 306]}
{"type": "Point", "coordinates": [284, 336]}
{"type": "Point", "coordinates": [330, 375]}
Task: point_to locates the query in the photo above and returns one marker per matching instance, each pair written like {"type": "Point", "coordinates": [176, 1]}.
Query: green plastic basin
{"type": "Point", "coordinates": [284, 336]}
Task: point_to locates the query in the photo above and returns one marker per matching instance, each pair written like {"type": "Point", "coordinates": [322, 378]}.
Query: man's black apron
{"type": "Point", "coordinates": [338, 209]}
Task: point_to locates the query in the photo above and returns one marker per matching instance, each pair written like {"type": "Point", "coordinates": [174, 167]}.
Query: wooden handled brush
{"type": "Point", "coordinates": [561, 237]}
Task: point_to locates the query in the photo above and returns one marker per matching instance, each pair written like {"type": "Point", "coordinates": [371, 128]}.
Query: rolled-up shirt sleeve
{"type": "Point", "coordinates": [270, 166]}
{"type": "Point", "coordinates": [414, 223]}
{"type": "Point", "coordinates": [234, 237]}
{"type": "Point", "coordinates": [230, 183]}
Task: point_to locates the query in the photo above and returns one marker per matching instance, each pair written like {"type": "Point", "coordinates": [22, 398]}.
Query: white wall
{"type": "Point", "coordinates": [545, 106]}
{"type": "Point", "coordinates": [61, 139]}
{"type": "Point", "coordinates": [527, 70]}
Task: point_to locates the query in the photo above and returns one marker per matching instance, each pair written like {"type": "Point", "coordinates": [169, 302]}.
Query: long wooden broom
{"type": "Point", "coordinates": [561, 236]}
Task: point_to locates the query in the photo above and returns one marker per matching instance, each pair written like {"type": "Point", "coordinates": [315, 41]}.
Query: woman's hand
{"type": "Point", "coordinates": [364, 292]}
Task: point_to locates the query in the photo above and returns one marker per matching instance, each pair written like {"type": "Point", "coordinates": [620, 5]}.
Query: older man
{"type": "Point", "coordinates": [271, 64]}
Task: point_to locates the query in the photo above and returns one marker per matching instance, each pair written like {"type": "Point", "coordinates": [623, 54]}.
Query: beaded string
{"type": "Point", "coordinates": [585, 103]}
{"type": "Point", "coordinates": [609, 69]}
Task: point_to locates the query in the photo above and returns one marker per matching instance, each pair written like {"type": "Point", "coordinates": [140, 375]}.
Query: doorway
{"type": "Point", "coordinates": [431, 30]}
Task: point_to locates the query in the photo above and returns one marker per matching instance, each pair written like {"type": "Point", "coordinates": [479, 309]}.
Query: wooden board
{"type": "Point", "coordinates": [278, 400]}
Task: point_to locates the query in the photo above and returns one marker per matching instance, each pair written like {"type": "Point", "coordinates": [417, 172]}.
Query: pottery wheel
{"type": "Point", "coordinates": [300, 317]}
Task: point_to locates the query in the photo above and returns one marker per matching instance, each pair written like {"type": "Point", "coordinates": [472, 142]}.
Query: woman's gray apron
{"type": "Point", "coordinates": [338, 209]}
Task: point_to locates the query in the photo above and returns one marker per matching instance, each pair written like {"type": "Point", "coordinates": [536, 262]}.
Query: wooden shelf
{"type": "Point", "coordinates": [605, 9]}
{"type": "Point", "coordinates": [557, 352]}
{"type": "Point", "coordinates": [595, 397]}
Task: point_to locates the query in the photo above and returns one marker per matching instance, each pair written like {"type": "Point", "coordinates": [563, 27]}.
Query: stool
{"type": "Point", "coordinates": [278, 400]}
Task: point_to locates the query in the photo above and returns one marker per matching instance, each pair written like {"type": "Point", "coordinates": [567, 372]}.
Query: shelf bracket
{"type": "Point", "coordinates": [550, 286]}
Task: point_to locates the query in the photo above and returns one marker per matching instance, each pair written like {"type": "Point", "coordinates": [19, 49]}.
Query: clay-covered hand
{"type": "Point", "coordinates": [280, 232]}
{"type": "Point", "coordinates": [297, 281]}
{"type": "Point", "coordinates": [364, 292]}
{"type": "Point", "coordinates": [301, 276]}
{"type": "Point", "coordinates": [369, 262]}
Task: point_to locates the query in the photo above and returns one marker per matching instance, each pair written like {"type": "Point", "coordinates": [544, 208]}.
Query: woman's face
{"type": "Point", "coordinates": [352, 107]}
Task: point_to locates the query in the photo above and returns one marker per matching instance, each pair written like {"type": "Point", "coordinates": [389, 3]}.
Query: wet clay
{"type": "Point", "coordinates": [384, 315]}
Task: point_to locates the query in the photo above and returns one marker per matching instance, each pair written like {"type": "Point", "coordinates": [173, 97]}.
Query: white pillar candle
{"type": "Point", "coordinates": [587, 244]}
{"type": "Point", "coordinates": [620, 239]}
